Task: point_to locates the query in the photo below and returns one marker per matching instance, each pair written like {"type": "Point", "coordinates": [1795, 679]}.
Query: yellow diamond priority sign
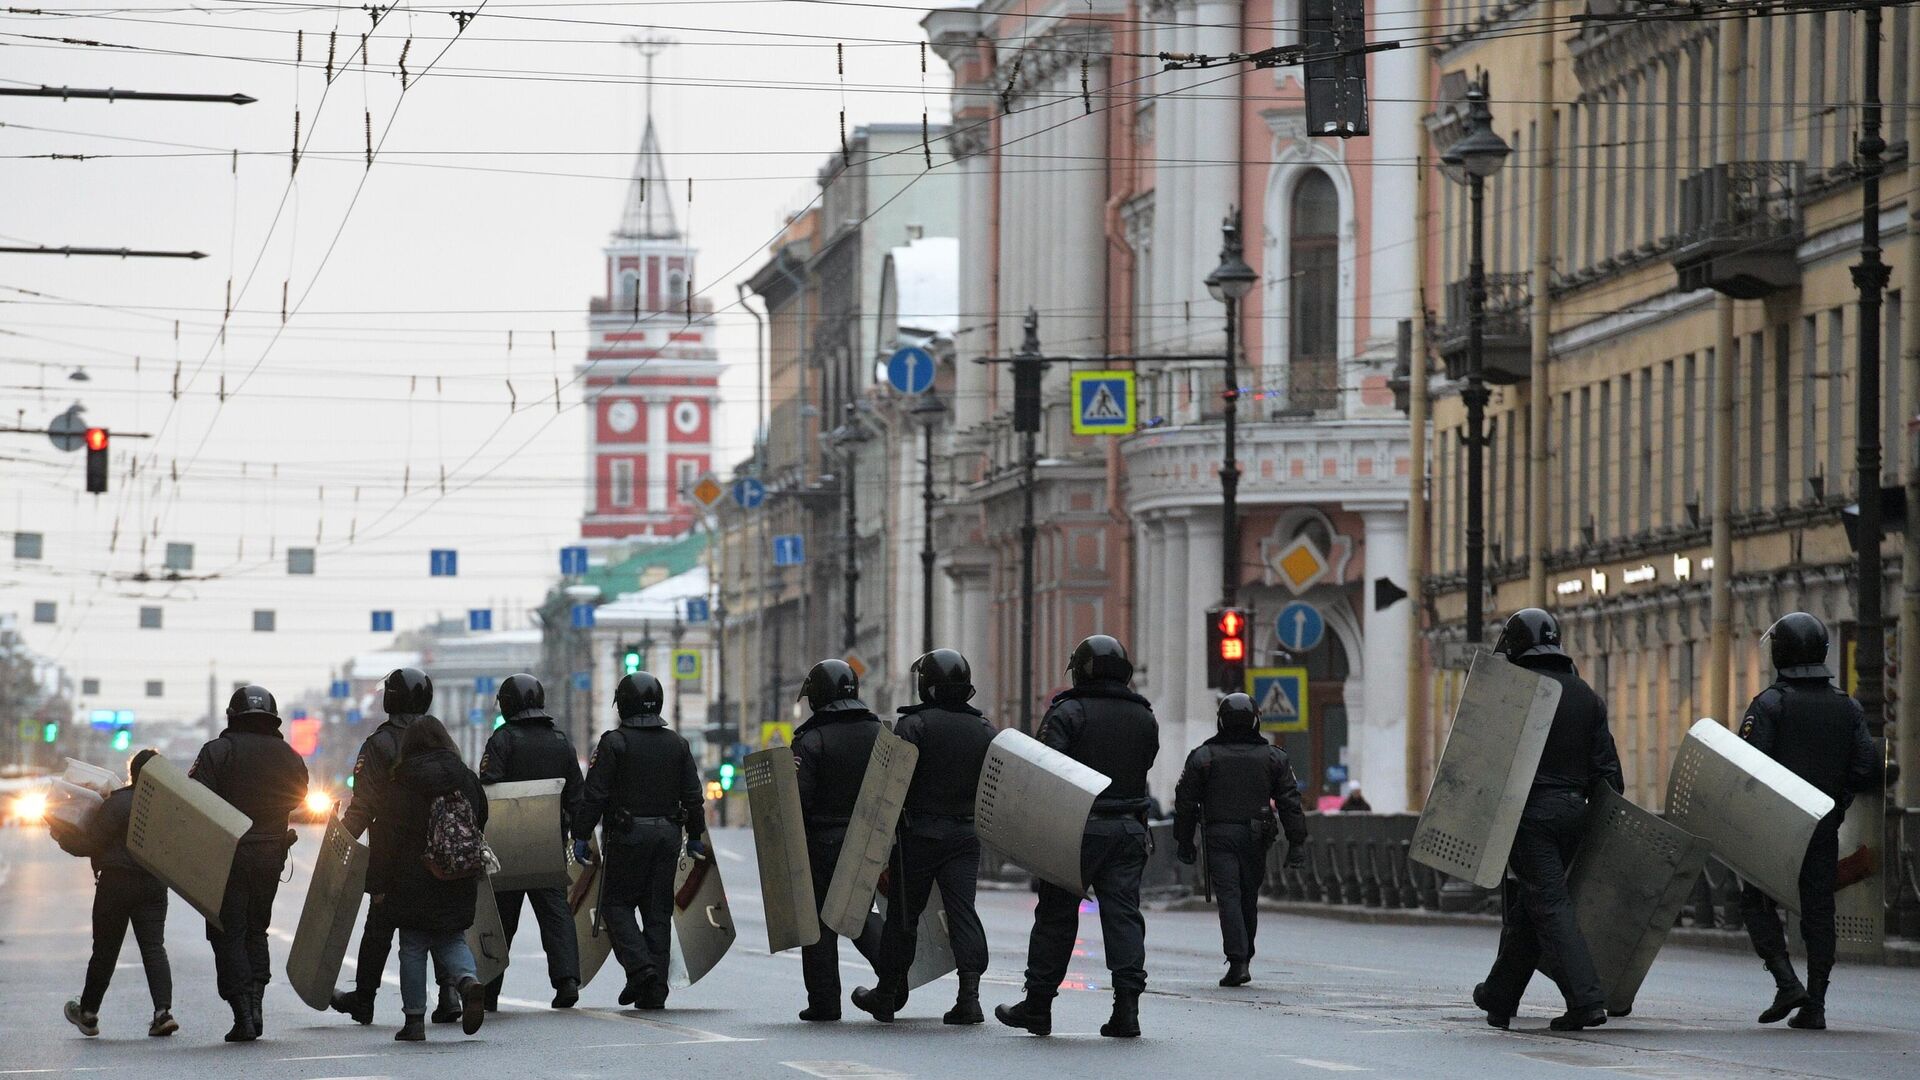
{"type": "Point", "coordinates": [1301, 565]}
{"type": "Point", "coordinates": [708, 491]}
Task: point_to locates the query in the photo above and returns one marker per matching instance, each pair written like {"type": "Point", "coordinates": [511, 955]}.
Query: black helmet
{"type": "Point", "coordinates": [1529, 632]}
{"type": "Point", "coordinates": [408, 692]}
{"type": "Point", "coordinates": [251, 700]}
{"type": "Point", "coordinates": [1799, 646]}
{"type": "Point", "coordinates": [522, 697]}
{"type": "Point", "coordinates": [943, 675]}
{"type": "Point", "coordinates": [828, 682]}
{"type": "Point", "coordinates": [1236, 713]}
{"type": "Point", "coordinates": [1100, 657]}
{"type": "Point", "coordinates": [638, 694]}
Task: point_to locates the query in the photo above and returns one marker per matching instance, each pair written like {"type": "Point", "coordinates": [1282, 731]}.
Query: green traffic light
{"type": "Point", "coordinates": [51, 732]}
{"type": "Point", "coordinates": [726, 776]}
{"type": "Point", "coordinates": [121, 740]}
{"type": "Point", "coordinates": [631, 661]}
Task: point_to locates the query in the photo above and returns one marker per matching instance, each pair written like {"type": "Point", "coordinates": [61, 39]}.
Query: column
{"type": "Point", "coordinates": [1203, 590]}
{"type": "Point", "coordinates": [968, 625]}
{"type": "Point", "coordinates": [1377, 739]}
{"type": "Point", "coordinates": [1169, 701]}
{"type": "Point", "coordinates": [1398, 85]}
{"type": "Point", "coordinates": [1149, 570]}
{"type": "Point", "coordinates": [658, 483]}
{"type": "Point", "coordinates": [1213, 187]}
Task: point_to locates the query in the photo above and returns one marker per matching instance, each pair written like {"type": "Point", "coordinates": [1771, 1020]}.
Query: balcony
{"type": "Point", "coordinates": [1740, 228]}
{"type": "Point", "coordinates": [1288, 461]}
{"type": "Point", "coordinates": [1507, 344]}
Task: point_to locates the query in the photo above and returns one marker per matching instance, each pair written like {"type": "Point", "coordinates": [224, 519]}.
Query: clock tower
{"type": "Point", "coordinates": [652, 373]}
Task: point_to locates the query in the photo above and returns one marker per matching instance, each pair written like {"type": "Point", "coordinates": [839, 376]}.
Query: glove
{"type": "Point", "coordinates": [1296, 857]}
{"type": "Point", "coordinates": [1188, 855]}
{"type": "Point", "coordinates": [698, 848]}
{"type": "Point", "coordinates": [583, 852]}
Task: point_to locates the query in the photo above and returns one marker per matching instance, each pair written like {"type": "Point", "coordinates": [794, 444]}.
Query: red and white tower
{"type": "Point", "coordinates": [652, 374]}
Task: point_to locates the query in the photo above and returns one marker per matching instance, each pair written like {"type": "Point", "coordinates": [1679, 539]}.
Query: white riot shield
{"type": "Point", "coordinates": [1032, 807]}
{"type": "Point", "coordinates": [1480, 787]}
{"type": "Point", "coordinates": [523, 828]}
{"type": "Point", "coordinates": [1755, 812]}
{"type": "Point", "coordinates": [486, 937]}
{"type": "Point", "coordinates": [1859, 903]}
{"type": "Point", "coordinates": [702, 923]}
{"type": "Point", "coordinates": [1629, 880]}
{"type": "Point", "coordinates": [932, 948]}
{"type": "Point", "coordinates": [780, 845]}
{"type": "Point", "coordinates": [583, 900]}
{"type": "Point", "coordinates": [184, 834]}
{"type": "Point", "coordinates": [869, 840]}
{"type": "Point", "coordinates": [327, 917]}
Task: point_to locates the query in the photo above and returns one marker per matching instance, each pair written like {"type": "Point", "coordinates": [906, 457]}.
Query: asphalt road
{"type": "Point", "coordinates": [1328, 997]}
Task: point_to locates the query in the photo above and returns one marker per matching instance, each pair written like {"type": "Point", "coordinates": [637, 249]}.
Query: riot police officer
{"type": "Point", "coordinates": [936, 842]}
{"type": "Point", "coordinates": [528, 747]}
{"type": "Point", "coordinates": [1239, 791]}
{"type": "Point", "coordinates": [1805, 723]}
{"type": "Point", "coordinates": [1538, 924]}
{"type": "Point", "coordinates": [643, 782]}
{"type": "Point", "coordinates": [831, 751]}
{"type": "Point", "coordinates": [1103, 724]}
{"type": "Point", "coordinates": [250, 766]}
{"type": "Point", "coordinates": [406, 696]}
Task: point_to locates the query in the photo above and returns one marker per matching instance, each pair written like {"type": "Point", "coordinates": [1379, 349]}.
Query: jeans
{"type": "Point", "coordinates": [1236, 865]}
{"type": "Point", "coordinates": [1113, 855]}
{"type": "Point", "coordinates": [376, 941]}
{"type": "Point", "coordinates": [124, 896]}
{"type": "Point", "coordinates": [450, 954]}
{"type": "Point", "coordinates": [1541, 930]}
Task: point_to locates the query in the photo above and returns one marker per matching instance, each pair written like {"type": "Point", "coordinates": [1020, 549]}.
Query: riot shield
{"type": "Point", "coordinates": [1632, 874]}
{"type": "Point", "coordinates": [1480, 787]}
{"type": "Point", "coordinates": [327, 917]}
{"type": "Point", "coordinates": [780, 845]}
{"type": "Point", "coordinates": [932, 948]}
{"type": "Point", "coordinates": [583, 900]}
{"type": "Point", "coordinates": [486, 938]}
{"type": "Point", "coordinates": [1756, 813]}
{"type": "Point", "coordinates": [523, 828]}
{"type": "Point", "coordinates": [184, 834]}
{"type": "Point", "coordinates": [869, 841]}
{"type": "Point", "coordinates": [1032, 807]}
{"type": "Point", "coordinates": [702, 923]}
{"type": "Point", "coordinates": [1860, 900]}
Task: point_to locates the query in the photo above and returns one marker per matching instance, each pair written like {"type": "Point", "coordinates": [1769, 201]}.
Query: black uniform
{"type": "Point", "coordinates": [253, 768]}
{"type": "Point", "coordinates": [643, 782]}
{"type": "Point", "coordinates": [831, 751]}
{"type": "Point", "coordinates": [1239, 790]}
{"type": "Point", "coordinates": [1539, 929]}
{"type": "Point", "coordinates": [367, 815]}
{"type": "Point", "coordinates": [124, 893]}
{"type": "Point", "coordinates": [1820, 734]}
{"type": "Point", "coordinates": [936, 842]}
{"type": "Point", "coordinates": [1102, 724]}
{"type": "Point", "coordinates": [531, 748]}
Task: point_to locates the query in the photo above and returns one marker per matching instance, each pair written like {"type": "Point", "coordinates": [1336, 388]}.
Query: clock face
{"type": "Point", "coordinates": [686, 417]}
{"type": "Point", "coordinates": [622, 416]}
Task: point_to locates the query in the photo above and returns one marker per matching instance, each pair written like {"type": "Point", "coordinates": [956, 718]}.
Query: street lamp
{"type": "Point", "coordinates": [847, 439]}
{"type": "Point", "coordinates": [1475, 156]}
{"type": "Point", "coordinates": [928, 412]}
{"type": "Point", "coordinates": [1229, 282]}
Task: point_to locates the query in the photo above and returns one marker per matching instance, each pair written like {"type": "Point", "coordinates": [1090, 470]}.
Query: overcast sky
{"type": "Point", "coordinates": [499, 173]}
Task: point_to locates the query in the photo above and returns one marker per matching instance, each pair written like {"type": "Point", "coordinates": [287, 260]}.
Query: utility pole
{"type": "Point", "coordinates": [928, 412]}
{"type": "Point", "coordinates": [1028, 367]}
{"type": "Point", "coordinates": [1870, 276]}
{"type": "Point", "coordinates": [847, 440]}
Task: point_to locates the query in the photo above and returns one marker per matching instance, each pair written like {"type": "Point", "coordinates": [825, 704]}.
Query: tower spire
{"type": "Point", "coordinates": [648, 212]}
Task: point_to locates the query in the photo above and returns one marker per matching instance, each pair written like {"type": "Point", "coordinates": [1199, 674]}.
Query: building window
{"type": "Point", "coordinates": [685, 475]}
{"type": "Point", "coordinates": [89, 687]}
{"type": "Point", "coordinates": [1890, 441]}
{"type": "Point", "coordinates": [1837, 472]}
{"type": "Point", "coordinates": [1645, 491]}
{"type": "Point", "coordinates": [1689, 484]}
{"type": "Point", "coordinates": [1810, 387]}
{"type": "Point", "coordinates": [156, 688]}
{"type": "Point", "coordinates": [1313, 261]}
{"type": "Point", "coordinates": [1757, 447]}
{"type": "Point", "coordinates": [1782, 418]}
{"type": "Point", "coordinates": [44, 611]}
{"type": "Point", "coordinates": [620, 482]}
{"type": "Point", "coordinates": [179, 556]}
{"type": "Point", "coordinates": [149, 618]}
{"type": "Point", "coordinates": [263, 621]}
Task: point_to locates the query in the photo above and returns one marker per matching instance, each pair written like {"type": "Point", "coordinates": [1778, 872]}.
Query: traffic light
{"type": "Point", "coordinates": [50, 732]}
{"type": "Point", "coordinates": [726, 776]}
{"type": "Point", "coordinates": [122, 739]}
{"type": "Point", "coordinates": [96, 460]}
{"type": "Point", "coordinates": [630, 659]}
{"type": "Point", "coordinates": [1227, 649]}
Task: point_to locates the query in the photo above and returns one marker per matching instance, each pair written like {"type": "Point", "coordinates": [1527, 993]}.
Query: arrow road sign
{"type": "Point", "coordinates": [1299, 627]}
{"type": "Point", "coordinates": [582, 616]}
{"type": "Point", "coordinates": [789, 549]}
{"type": "Point", "coordinates": [573, 561]}
{"type": "Point", "coordinates": [749, 493]}
{"type": "Point", "coordinates": [910, 370]}
{"type": "Point", "coordinates": [443, 562]}
{"type": "Point", "coordinates": [68, 431]}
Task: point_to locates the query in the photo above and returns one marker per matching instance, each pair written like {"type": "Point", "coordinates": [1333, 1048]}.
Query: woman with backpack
{"type": "Point", "coordinates": [428, 875]}
{"type": "Point", "coordinates": [123, 894]}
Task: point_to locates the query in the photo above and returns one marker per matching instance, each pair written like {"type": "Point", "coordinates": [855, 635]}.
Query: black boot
{"type": "Point", "coordinates": [1237, 974]}
{"type": "Point", "coordinates": [652, 995]}
{"type": "Point", "coordinates": [566, 994]}
{"type": "Point", "coordinates": [1125, 1023]}
{"type": "Point", "coordinates": [877, 1003]}
{"type": "Point", "coordinates": [631, 991]}
{"type": "Point", "coordinates": [448, 1009]}
{"type": "Point", "coordinates": [1788, 994]}
{"type": "Point", "coordinates": [820, 1014]}
{"type": "Point", "coordinates": [493, 995]}
{"type": "Point", "coordinates": [355, 1003]}
{"type": "Point", "coordinates": [1813, 1015]}
{"type": "Point", "coordinates": [256, 1001]}
{"type": "Point", "coordinates": [1494, 1018]}
{"type": "Point", "coordinates": [413, 1030]}
{"type": "Point", "coordinates": [242, 1030]}
{"type": "Point", "coordinates": [473, 1003]}
{"type": "Point", "coordinates": [1033, 1014]}
{"type": "Point", "coordinates": [966, 1005]}
{"type": "Point", "coordinates": [1584, 1017]}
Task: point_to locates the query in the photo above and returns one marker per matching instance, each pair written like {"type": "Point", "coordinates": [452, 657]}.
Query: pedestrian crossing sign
{"type": "Point", "coordinates": [1279, 697]}
{"type": "Point", "coordinates": [1103, 403]}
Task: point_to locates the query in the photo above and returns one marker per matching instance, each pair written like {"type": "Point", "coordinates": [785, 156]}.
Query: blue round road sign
{"type": "Point", "coordinates": [910, 370]}
{"type": "Point", "coordinates": [749, 493]}
{"type": "Point", "coordinates": [1299, 627]}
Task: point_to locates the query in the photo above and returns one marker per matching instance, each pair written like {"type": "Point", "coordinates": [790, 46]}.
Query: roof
{"type": "Point", "coordinates": [926, 282]}
{"type": "Point", "coordinates": [660, 602]}
{"type": "Point", "coordinates": [648, 212]}
{"type": "Point", "coordinates": [651, 560]}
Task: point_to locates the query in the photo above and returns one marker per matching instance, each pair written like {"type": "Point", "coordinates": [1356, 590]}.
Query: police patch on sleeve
{"type": "Point", "coordinates": [1746, 727]}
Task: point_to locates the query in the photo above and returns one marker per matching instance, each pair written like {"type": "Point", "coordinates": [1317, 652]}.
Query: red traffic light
{"type": "Point", "coordinates": [1233, 648]}
{"type": "Point", "coordinates": [1232, 623]}
{"type": "Point", "coordinates": [96, 438]}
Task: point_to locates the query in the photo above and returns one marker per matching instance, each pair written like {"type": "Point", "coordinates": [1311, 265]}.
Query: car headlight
{"type": "Point", "coordinates": [319, 803]}
{"type": "Point", "coordinates": [31, 807]}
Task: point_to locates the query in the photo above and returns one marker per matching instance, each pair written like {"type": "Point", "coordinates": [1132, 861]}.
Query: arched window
{"type": "Point", "coordinates": [676, 287]}
{"type": "Point", "coordinates": [629, 283]}
{"type": "Point", "coordinates": [1313, 263]}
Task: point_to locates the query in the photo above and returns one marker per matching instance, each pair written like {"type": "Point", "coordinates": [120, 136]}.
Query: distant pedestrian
{"type": "Point", "coordinates": [426, 879]}
{"type": "Point", "coordinates": [123, 893]}
{"type": "Point", "coordinates": [1355, 803]}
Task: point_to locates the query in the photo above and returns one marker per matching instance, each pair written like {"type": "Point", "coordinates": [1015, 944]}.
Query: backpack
{"type": "Point", "coordinates": [456, 848]}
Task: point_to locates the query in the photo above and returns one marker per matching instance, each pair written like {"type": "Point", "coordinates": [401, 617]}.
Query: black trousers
{"type": "Point", "coordinates": [640, 865]}
{"type": "Point", "coordinates": [943, 852]}
{"type": "Point", "coordinates": [1236, 865]}
{"type": "Point", "coordinates": [1816, 903]}
{"type": "Point", "coordinates": [376, 944]}
{"type": "Point", "coordinates": [557, 935]}
{"type": "Point", "coordinates": [1113, 854]}
{"type": "Point", "coordinates": [1540, 930]}
{"type": "Point", "coordinates": [121, 897]}
{"type": "Point", "coordinates": [240, 962]}
{"type": "Point", "coordinates": [820, 961]}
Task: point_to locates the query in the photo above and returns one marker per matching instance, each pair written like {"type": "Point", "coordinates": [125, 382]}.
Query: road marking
{"type": "Point", "coordinates": [68, 1069]}
{"type": "Point", "coordinates": [330, 1057]}
{"type": "Point", "coordinates": [839, 1070]}
{"type": "Point", "coordinates": [1330, 1066]}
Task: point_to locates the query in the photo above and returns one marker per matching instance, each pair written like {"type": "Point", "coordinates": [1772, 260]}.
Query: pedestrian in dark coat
{"type": "Point", "coordinates": [124, 892]}
{"type": "Point", "coordinates": [431, 912]}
